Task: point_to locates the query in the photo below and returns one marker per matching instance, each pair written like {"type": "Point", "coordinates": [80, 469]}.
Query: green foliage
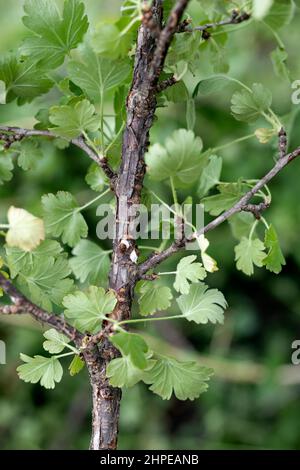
{"type": "Point", "coordinates": [87, 310]}
{"type": "Point", "coordinates": [46, 370]}
{"type": "Point", "coordinates": [24, 80]}
{"type": "Point", "coordinates": [202, 304]}
{"type": "Point", "coordinates": [229, 194]}
{"type": "Point", "coordinates": [63, 219]}
{"type": "Point", "coordinates": [95, 177]}
{"type": "Point", "coordinates": [71, 121]}
{"type": "Point", "coordinates": [90, 263]}
{"type": "Point", "coordinates": [55, 342]}
{"type": "Point", "coordinates": [187, 380]}
{"type": "Point", "coordinates": [29, 154]}
{"type": "Point", "coordinates": [275, 259]}
{"type": "Point", "coordinates": [188, 270]}
{"type": "Point", "coordinates": [180, 158]}
{"type": "Point", "coordinates": [6, 167]}
{"type": "Point", "coordinates": [132, 346]}
{"type": "Point", "coordinates": [45, 280]}
{"type": "Point", "coordinates": [153, 298]}
{"type": "Point", "coordinates": [96, 75]}
{"type": "Point", "coordinates": [249, 252]}
{"type": "Point", "coordinates": [53, 36]}
{"type": "Point", "coordinates": [211, 175]}
{"type": "Point", "coordinates": [248, 105]}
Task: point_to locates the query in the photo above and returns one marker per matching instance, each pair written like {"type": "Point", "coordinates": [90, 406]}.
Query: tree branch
{"type": "Point", "coordinates": [236, 18]}
{"type": "Point", "coordinates": [14, 134]}
{"type": "Point", "coordinates": [21, 305]}
{"type": "Point", "coordinates": [165, 39]}
{"type": "Point", "coordinates": [158, 257]}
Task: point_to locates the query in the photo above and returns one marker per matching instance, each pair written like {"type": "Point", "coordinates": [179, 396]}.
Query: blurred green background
{"type": "Point", "coordinates": [254, 398]}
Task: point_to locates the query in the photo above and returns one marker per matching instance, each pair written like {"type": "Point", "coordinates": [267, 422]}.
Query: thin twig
{"type": "Point", "coordinates": [10, 135]}
{"type": "Point", "coordinates": [22, 305]}
{"type": "Point", "coordinates": [156, 258]}
{"type": "Point", "coordinates": [236, 18]}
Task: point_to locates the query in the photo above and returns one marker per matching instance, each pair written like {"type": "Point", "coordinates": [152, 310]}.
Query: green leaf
{"type": "Point", "coordinates": [88, 309]}
{"type": "Point", "coordinates": [248, 106]}
{"type": "Point", "coordinates": [180, 158]}
{"type": "Point", "coordinates": [6, 167]}
{"type": "Point", "coordinates": [211, 85]}
{"type": "Point", "coordinates": [46, 370]}
{"type": "Point", "coordinates": [133, 346]}
{"type": "Point", "coordinates": [188, 270]}
{"type": "Point", "coordinates": [177, 93]}
{"type": "Point", "coordinates": [29, 154]}
{"type": "Point", "coordinates": [274, 259]}
{"type": "Point", "coordinates": [62, 217]}
{"type": "Point", "coordinates": [280, 14]}
{"type": "Point", "coordinates": [76, 365]}
{"type": "Point", "coordinates": [249, 252]}
{"type": "Point", "coordinates": [17, 259]}
{"type": "Point", "coordinates": [279, 57]}
{"type": "Point", "coordinates": [96, 75]}
{"type": "Point", "coordinates": [23, 80]}
{"type": "Point", "coordinates": [96, 178]}
{"type": "Point", "coordinates": [202, 305]}
{"type": "Point", "coordinates": [122, 373]}
{"type": "Point", "coordinates": [90, 263]}
{"type": "Point", "coordinates": [210, 175]}
{"type": "Point", "coordinates": [55, 342]}
{"type": "Point", "coordinates": [53, 36]}
{"type": "Point", "coordinates": [73, 120]}
{"type": "Point", "coordinates": [229, 194]}
{"type": "Point", "coordinates": [45, 281]}
{"type": "Point", "coordinates": [153, 298]}
{"type": "Point", "coordinates": [186, 379]}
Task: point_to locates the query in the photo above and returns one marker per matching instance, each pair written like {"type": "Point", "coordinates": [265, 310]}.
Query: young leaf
{"type": "Point", "coordinates": [17, 259]}
{"type": "Point", "coordinates": [6, 167]}
{"type": "Point", "coordinates": [71, 121]}
{"type": "Point", "coordinates": [53, 36]}
{"type": "Point", "coordinates": [181, 158]}
{"type": "Point", "coordinates": [274, 259]}
{"type": "Point", "coordinates": [46, 370]}
{"type": "Point", "coordinates": [122, 373]}
{"type": "Point", "coordinates": [280, 14]}
{"type": "Point", "coordinates": [211, 85]}
{"type": "Point", "coordinates": [88, 309]}
{"type": "Point", "coordinates": [186, 379]}
{"type": "Point", "coordinates": [62, 217]}
{"type": "Point", "coordinates": [29, 154]}
{"type": "Point", "coordinates": [25, 230]}
{"type": "Point", "coordinates": [45, 281]}
{"type": "Point", "coordinates": [210, 175]}
{"type": "Point", "coordinates": [90, 263]}
{"type": "Point", "coordinates": [153, 298]}
{"type": "Point", "coordinates": [188, 270]}
{"type": "Point", "coordinates": [55, 342]}
{"type": "Point", "coordinates": [248, 106]}
{"type": "Point", "coordinates": [249, 252]}
{"type": "Point", "coordinates": [133, 346]}
{"type": "Point", "coordinates": [202, 305]}
{"type": "Point", "coordinates": [279, 57]}
{"type": "Point", "coordinates": [95, 177]}
{"type": "Point", "coordinates": [76, 365]}
{"type": "Point", "coordinates": [241, 225]}
{"type": "Point", "coordinates": [229, 194]}
{"type": "Point", "coordinates": [96, 75]}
